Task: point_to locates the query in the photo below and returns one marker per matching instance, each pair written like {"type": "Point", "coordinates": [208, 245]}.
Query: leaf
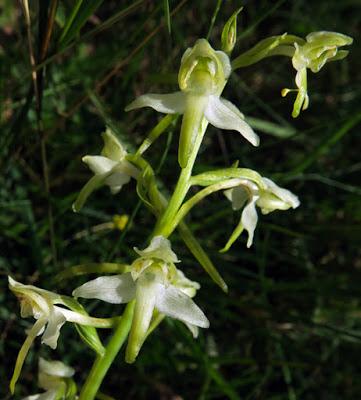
{"type": "Point", "coordinates": [167, 15]}
{"type": "Point", "coordinates": [271, 128]}
{"type": "Point", "coordinates": [201, 256]}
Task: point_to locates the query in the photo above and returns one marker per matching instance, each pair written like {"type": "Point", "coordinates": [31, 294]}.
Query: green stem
{"type": "Point", "coordinates": [102, 364]}
{"type": "Point", "coordinates": [182, 187]}
{"type": "Point", "coordinates": [188, 205]}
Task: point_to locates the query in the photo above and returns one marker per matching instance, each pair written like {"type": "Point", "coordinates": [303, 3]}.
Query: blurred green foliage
{"type": "Point", "coordinates": [290, 327]}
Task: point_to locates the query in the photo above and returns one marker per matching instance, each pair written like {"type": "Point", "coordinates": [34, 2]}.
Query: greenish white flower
{"type": "Point", "coordinates": [202, 76]}
{"type": "Point", "coordinates": [48, 309]}
{"type": "Point", "coordinates": [54, 378]}
{"type": "Point", "coordinates": [155, 283]}
{"type": "Point", "coordinates": [248, 195]}
{"type": "Point", "coordinates": [110, 168]}
{"type": "Point", "coordinates": [319, 48]}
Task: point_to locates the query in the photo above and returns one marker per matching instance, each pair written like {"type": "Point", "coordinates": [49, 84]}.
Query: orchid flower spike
{"type": "Point", "coordinates": [247, 195]}
{"type": "Point", "coordinates": [155, 284]}
{"type": "Point", "coordinates": [50, 317]}
{"type": "Point", "coordinates": [319, 48]}
{"type": "Point", "coordinates": [110, 168]}
{"type": "Point", "coordinates": [202, 76]}
{"type": "Point", "coordinates": [55, 378]}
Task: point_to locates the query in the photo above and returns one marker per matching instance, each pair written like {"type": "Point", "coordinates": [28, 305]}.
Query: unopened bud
{"type": "Point", "coordinates": [229, 33]}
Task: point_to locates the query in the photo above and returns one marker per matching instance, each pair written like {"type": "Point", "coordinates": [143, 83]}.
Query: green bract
{"type": "Point", "coordinates": [319, 48]}
{"type": "Point", "coordinates": [247, 195]}
{"type": "Point", "coordinates": [110, 168]}
{"type": "Point", "coordinates": [54, 377]}
{"type": "Point", "coordinates": [154, 283]}
{"type": "Point", "coordinates": [202, 76]}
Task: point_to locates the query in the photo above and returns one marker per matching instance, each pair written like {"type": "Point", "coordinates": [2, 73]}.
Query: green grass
{"type": "Point", "coordinates": [290, 327]}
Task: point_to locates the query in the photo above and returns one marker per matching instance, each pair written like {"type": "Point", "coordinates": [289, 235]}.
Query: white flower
{"type": "Point", "coordinates": [54, 378]}
{"type": "Point", "coordinates": [248, 195]}
{"type": "Point", "coordinates": [154, 283]}
{"type": "Point", "coordinates": [50, 317]}
{"type": "Point", "coordinates": [202, 77]}
{"type": "Point", "coordinates": [110, 168]}
{"type": "Point", "coordinates": [319, 48]}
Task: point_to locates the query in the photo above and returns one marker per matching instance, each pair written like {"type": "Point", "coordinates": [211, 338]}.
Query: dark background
{"type": "Point", "coordinates": [290, 327]}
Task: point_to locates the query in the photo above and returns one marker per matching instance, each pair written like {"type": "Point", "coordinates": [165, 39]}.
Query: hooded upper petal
{"type": "Point", "coordinates": [112, 149]}
{"type": "Point", "coordinates": [222, 116]}
{"type": "Point", "coordinates": [172, 103]}
{"type": "Point", "coordinates": [159, 248]}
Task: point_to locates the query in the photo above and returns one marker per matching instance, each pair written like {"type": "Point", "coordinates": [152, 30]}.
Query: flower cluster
{"type": "Point", "coordinates": [152, 285]}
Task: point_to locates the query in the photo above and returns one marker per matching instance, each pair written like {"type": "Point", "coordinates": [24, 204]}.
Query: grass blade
{"type": "Point", "coordinates": [80, 14]}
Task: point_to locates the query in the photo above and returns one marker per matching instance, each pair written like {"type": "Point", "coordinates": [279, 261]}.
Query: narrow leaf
{"type": "Point", "coordinates": [82, 11]}
{"type": "Point", "coordinates": [201, 256]}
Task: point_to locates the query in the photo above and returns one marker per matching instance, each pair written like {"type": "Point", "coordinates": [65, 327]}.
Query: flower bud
{"type": "Point", "coordinates": [229, 33]}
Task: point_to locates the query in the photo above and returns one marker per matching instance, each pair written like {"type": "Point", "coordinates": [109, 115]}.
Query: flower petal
{"type": "Point", "coordinates": [48, 395]}
{"type": "Point", "coordinates": [193, 329]}
{"type": "Point", "coordinates": [99, 164]}
{"type": "Point", "coordinates": [249, 219]}
{"type": "Point", "coordinates": [116, 180]}
{"type": "Point", "coordinates": [52, 331]}
{"type": "Point", "coordinates": [238, 196]}
{"type": "Point", "coordinates": [159, 247]}
{"type": "Point", "coordinates": [222, 116]}
{"type": "Point", "coordinates": [185, 285]}
{"type": "Point", "coordinates": [172, 103]}
{"type": "Point", "coordinates": [114, 289]}
{"type": "Point", "coordinates": [55, 368]}
{"type": "Point", "coordinates": [174, 303]}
